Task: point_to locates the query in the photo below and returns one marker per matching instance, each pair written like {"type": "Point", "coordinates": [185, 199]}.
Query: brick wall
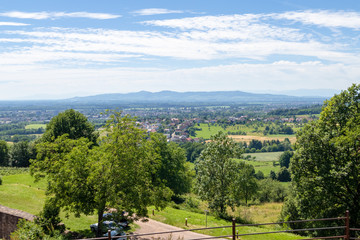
{"type": "Point", "coordinates": [9, 218]}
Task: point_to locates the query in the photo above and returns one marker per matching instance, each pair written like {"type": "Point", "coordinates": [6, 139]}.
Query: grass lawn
{"type": "Point", "coordinates": [264, 161]}
{"type": "Point", "coordinates": [176, 217]}
{"type": "Point", "coordinates": [20, 192]}
{"type": "Point", "coordinates": [35, 126]}
{"type": "Point", "coordinates": [266, 156]}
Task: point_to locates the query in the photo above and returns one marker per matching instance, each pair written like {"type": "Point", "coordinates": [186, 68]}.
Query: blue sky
{"type": "Point", "coordinates": [60, 48]}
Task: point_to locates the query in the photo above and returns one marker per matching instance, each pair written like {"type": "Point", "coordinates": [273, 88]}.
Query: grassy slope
{"type": "Point", "coordinates": [177, 217]}
{"type": "Point", "coordinates": [264, 162]}
{"type": "Point", "coordinates": [20, 192]}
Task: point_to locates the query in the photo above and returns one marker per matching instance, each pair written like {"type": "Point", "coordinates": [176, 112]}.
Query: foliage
{"type": "Point", "coordinates": [283, 175]}
{"type": "Point", "coordinates": [271, 191]}
{"type": "Point", "coordinates": [49, 218]}
{"type": "Point", "coordinates": [21, 153]}
{"type": "Point", "coordinates": [284, 158]}
{"type": "Point", "coordinates": [216, 172]}
{"type": "Point", "coordinates": [173, 171]}
{"type": "Point", "coordinates": [27, 230]}
{"type": "Point", "coordinates": [259, 175]}
{"type": "Point", "coordinates": [72, 123]}
{"type": "Point", "coordinates": [121, 172]}
{"type": "Point", "coordinates": [4, 153]}
{"type": "Point", "coordinates": [5, 171]}
{"type": "Point", "coordinates": [326, 165]}
{"type": "Point", "coordinates": [244, 185]}
{"type": "Point", "coordinates": [193, 150]}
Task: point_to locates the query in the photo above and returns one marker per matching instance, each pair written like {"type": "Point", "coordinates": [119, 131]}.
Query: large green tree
{"type": "Point", "coordinates": [70, 122]}
{"type": "Point", "coordinates": [244, 185]}
{"type": "Point", "coordinates": [118, 173]}
{"type": "Point", "coordinates": [174, 171]}
{"type": "Point", "coordinates": [326, 165]}
{"type": "Point", "coordinates": [216, 171]}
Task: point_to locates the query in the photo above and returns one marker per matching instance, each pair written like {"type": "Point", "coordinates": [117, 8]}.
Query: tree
{"type": "Point", "coordinates": [244, 185]}
{"type": "Point", "coordinates": [326, 164]}
{"type": "Point", "coordinates": [216, 172]}
{"type": "Point", "coordinates": [284, 158]}
{"type": "Point", "coordinates": [119, 173]}
{"type": "Point", "coordinates": [72, 123]}
{"type": "Point", "coordinates": [21, 153]}
{"type": "Point", "coordinates": [4, 153]}
{"type": "Point", "coordinates": [283, 175]}
{"type": "Point", "coordinates": [174, 170]}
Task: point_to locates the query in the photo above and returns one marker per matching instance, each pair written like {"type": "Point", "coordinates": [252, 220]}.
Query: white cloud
{"type": "Point", "coordinates": [281, 75]}
{"type": "Point", "coordinates": [54, 15]}
{"type": "Point", "coordinates": [331, 19]}
{"type": "Point", "coordinates": [155, 11]}
{"type": "Point", "coordinates": [13, 24]}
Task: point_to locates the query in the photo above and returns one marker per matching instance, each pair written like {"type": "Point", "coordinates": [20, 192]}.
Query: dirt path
{"type": "Point", "coordinates": [151, 226]}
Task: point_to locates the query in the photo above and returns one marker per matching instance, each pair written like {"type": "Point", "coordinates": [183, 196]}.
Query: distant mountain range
{"type": "Point", "coordinates": [193, 97]}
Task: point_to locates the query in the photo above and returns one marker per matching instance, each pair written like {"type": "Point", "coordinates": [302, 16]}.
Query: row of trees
{"type": "Point", "coordinates": [16, 155]}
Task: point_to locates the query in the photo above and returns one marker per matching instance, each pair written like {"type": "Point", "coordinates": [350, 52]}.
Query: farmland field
{"type": "Point", "coordinates": [248, 138]}
{"type": "Point", "coordinates": [35, 126]}
{"type": "Point", "coordinates": [207, 130]}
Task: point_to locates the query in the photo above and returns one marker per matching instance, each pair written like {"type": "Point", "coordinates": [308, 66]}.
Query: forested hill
{"type": "Point", "coordinates": [194, 97]}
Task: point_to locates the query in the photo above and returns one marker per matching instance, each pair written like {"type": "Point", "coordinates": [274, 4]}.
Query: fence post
{"type": "Point", "coordinates": [347, 225]}
{"type": "Point", "coordinates": [233, 229]}
{"type": "Point", "coordinates": [109, 234]}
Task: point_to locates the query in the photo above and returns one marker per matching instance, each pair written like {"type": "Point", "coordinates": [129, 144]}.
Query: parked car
{"type": "Point", "coordinates": [120, 219]}
{"type": "Point", "coordinates": [116, 229]}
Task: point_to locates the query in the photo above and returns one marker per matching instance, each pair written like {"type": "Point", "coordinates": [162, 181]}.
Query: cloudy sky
{"type": "Point", "coordinates": [61, 48]}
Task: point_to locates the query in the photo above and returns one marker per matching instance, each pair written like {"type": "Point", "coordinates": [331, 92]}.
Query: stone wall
{"type": "Point", "coordinates": [9, 219]}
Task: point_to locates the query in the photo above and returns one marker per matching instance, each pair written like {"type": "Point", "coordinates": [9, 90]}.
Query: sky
{"type": "Point", "coordinates": [60, 48]}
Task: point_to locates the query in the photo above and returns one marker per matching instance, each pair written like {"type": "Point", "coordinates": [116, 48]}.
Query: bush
{"type": "Point", "coordinates": [49, 218]}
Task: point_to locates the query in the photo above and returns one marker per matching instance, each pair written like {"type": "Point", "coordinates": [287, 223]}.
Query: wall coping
{"type": "Point", "coordinates": [17, 213]}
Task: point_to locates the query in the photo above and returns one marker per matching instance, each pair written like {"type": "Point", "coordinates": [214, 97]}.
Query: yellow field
{"type": "Point", "coordinates": [248, 138]}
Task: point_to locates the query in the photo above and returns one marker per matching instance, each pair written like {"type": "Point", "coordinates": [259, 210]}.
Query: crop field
{"type": "Point", "coordinates": [252, 132]}
{"type": "Point", "coordinates": [35, 126]}
{"type": "Point", "coordinates": [248, 138]}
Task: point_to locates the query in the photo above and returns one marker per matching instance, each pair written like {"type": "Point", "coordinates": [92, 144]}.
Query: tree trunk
{"type": "Point", "coordinates": [100, 218]}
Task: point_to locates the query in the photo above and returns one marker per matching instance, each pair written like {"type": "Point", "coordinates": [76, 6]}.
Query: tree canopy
{"type": "Point", "coordinates": [72, 123]}
{"type": "Point", "coordinates": [326, 164]}
{"type": "Point", "coordinates": [216, 172]}
{"type": "Point", "coordinates": [120, 172]}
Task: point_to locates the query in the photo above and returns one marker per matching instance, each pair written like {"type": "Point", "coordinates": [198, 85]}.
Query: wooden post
{"type": "Point", "coordinates": [186, 222]}
{"type": "Point", "coordinates": [347, 225]}
{"type": "Point", "coordinates": [153, 212]}
{"type": "Point", "coordinates": [109, 234]}
{"type": "Point", "coordinates": [233, 229]}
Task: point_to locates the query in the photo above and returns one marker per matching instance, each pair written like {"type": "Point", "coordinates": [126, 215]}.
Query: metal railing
{"type": "Point", "coordinates": [235, 235]}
